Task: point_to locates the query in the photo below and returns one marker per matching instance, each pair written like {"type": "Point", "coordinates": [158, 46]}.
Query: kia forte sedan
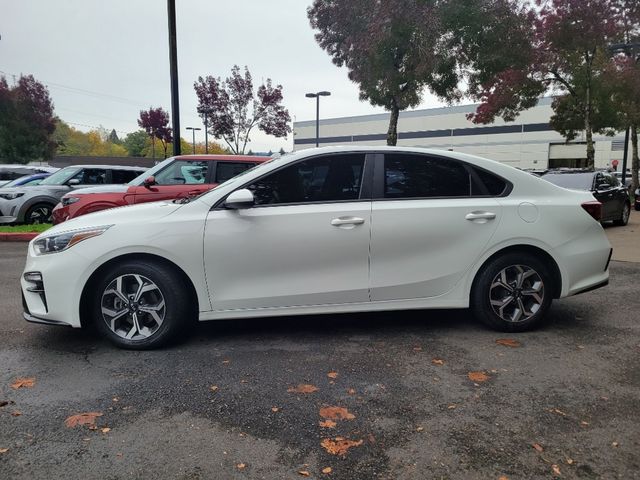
{"type": "Point", "coordinates": [340, 229]}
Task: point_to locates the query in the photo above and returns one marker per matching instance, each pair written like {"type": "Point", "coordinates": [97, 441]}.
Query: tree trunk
{"type": "Point", "coordinates": [392, 133]}
{"type": "Point", "coordinates": [153, 146]}
{"type": "Point", "coordinates": [591, 151]}
{"type": "Point", "coordinates": [635, 162]}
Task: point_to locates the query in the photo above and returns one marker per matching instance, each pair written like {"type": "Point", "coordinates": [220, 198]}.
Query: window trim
{"type": "Point", "coordinates": [476, 182]}
{"type": "Point", "coordinates": [366, 176]}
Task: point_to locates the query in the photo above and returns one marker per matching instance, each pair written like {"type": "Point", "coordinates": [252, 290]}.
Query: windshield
{"type": "Point", "coordinates": [60, 176]}
{"type": "Point", "coordinates": [574, 181]}
{"type": "Point", "coordinates": [18, 182]}
{"type": "Point", "coordinates": [136, 182]}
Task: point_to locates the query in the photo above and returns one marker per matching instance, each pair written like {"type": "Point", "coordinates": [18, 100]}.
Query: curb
{"type": "Point", "coordinates": [17, 237]}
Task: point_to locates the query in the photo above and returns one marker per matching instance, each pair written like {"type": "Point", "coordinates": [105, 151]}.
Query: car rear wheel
{"type": "Point", "coordinates": [39, 213]}
{"type": "Point", "coordinates": [512, 292]}
{"type": "Point", "coordinates": [138, 305]}
{"type": "Point", "coordinates": [624, 216]}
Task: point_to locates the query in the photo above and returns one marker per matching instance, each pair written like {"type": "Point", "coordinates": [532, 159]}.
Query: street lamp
{"type": "Point", "coordinates": [206, 113]}
{"type": "Point", "coordinates": [317, 96]}
{"type": "Point", "coordinates": [193, 141]}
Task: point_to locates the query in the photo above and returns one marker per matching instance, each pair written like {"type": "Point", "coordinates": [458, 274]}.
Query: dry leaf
{"type": "Point", "coordinates": [452, 406]}
{"type": "Point", "coordinates": [570, 461]}
{"type": "Point", "coordinates": [4, 450]}
{"type": "Point", "coordinates": [16, 413]}
{"type": "Point", "coordinates": [437, 361]}
{"type": "Point", "coordinates": [584, 424]}
{"type": "Point", "coordinates": [417, 349]}
{"type": "Point", "coordinates": [503, 477]}
{"type": "Point", "coordinates": [538, 447]}
{"type": "Point", "coordinates": [328, 424]}
{"type": "Point", "coordinates": [351, 391]}
{"type": "Point", "coordinates": [304, 473]}
{"type": "Point", "coordinates": [339, 445]}
{"type": "Point", "coordinates": [83, 419]}
{"type": "Point", "coordinates": [333, 375]}
{"type": "Point", "coordinates": [23, 383]}
{"type": "Point", "coordinates": [326, 470]}
{"type": "Point", "coordinates": [614, 444]}
{"type": "Point", "coordinates": [303, 388]}
{"type": "Point", "coordinates": [508, 342]}
{"type": "Point", "coordinates": [419, 429]}
{"type": "Point", "coordinates": [240, 466]}
{"type": "Point", "coordinates": [559, 412]}
{"type": "Point", "coordinates": [274, 409]}
{"type": "Point", "coordinates": [336, 413]}
{"type": "Point", "coordinates": [213, 388]}
{"type": "Point", "coordinates": [478, 377]}
{"type": "Point", "coordinates": [105, 430]}
{"type": "Point", "coordinates": [556, 470]}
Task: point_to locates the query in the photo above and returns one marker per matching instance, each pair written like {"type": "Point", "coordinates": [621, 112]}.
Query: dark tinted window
{"type": "Point", "coordinates": [123, 176]}
{"type": "Point", "coordinates": [322, 179]}
{"type": "Point", "coordinates": [495, 185]}
{"type": "Point", "coordinates": [91, 176]}
{"type": "Point", "coordinates": [183, 172]}
{"type": "Point", "coordinates": [418, 176]}
{"type": "Point", "coordinates": [227, 170]}
{"type": "Point", "coordinates": [574, 181]}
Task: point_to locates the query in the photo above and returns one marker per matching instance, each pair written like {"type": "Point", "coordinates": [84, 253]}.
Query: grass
{"type": "Point", "coordinates": [25, 228]}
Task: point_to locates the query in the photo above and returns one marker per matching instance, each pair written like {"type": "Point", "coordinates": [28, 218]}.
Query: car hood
{"type": "Point", "coordinates": [132, 214]}
{"type": "Point", "coordinates": [102, 189]}
{"type": "Point", "coordinates": [12, 190]}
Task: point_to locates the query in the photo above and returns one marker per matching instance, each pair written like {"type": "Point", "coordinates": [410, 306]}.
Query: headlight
{"type": "Point", "coordinates": [69, 200]}
{"type": "Point", "coordinates": [11, 196]}
{"type": "Point", "coordinates": [65, 240]}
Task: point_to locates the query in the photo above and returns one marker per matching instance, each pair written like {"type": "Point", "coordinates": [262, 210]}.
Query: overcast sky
{"type": "Point", "coordinates": [104, 61]}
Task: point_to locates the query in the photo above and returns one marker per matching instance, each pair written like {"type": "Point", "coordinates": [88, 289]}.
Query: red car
{"type": "Point", "coordinates": [175, 177]}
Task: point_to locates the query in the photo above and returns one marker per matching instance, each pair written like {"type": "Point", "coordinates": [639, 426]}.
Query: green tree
{"type": "Point", "coordinates": [135, 143]}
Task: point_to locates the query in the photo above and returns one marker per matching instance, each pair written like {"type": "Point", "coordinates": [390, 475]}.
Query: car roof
{"type": "Point", "coordinates": [110, 167]}
{"type": "Point", "coordinates": [225, 158]}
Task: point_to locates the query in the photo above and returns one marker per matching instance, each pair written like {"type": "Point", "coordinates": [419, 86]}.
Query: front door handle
{"type": "Point", "coordinates": [340, 221]}
{"type": "Point", "coordinates": [480, 216]}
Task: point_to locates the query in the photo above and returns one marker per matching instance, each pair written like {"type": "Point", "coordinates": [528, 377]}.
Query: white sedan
{"type": "Point", "coordinates": [339, 229]}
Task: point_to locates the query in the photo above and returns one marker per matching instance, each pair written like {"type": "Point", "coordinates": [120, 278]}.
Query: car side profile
{"type": "Point", "coordinates": [328, 230]}
{"type": "Point", "coordinates": [34, 204]}
{"type": "Point", "coordinates": [176, 177]}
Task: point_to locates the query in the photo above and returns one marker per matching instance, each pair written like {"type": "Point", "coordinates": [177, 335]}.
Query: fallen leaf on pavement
{"type": "Point", "coordinates": [274, 409]}
{"type": "Point", "coordinates": [437, 361]}
{"type": "Point", "coordinates": [351, 391]}
{"type": "Point", "coordinates": [336, 413]}
{"type": "Point", "coordinates": [584, 424]}
{"type": "Point", "coordinates": [556, 470]}
{"type": "Point", "coordinates": [304, 473]}
{"type": "Point", "coordinates": [303, 388]}
{"type": "Point", "coordinates": [452, 406]}
{"type": "Point", "coordinates": [503, 477]}
{"type": "Point", "coordinates": [83, 419]}
{"type": "Point", "coordinates": [4, 450]}
{"type": "Point", "coordinates": [23, 383]}
{"type": "Point", "coordinates": [538, 447]}
{"type": "Point", "coordinates": [558, 411]}
{"type": "Point", "coordinates": [240, 466]}
{"type": "Point", "coordinates": [419, 429]}
{"type": "Point", "coordinates": [326, 470]}
{"type": "Point", "coordinates": [16, 413]}
{"type": "Point", "coordinates": [328, 424]}
{"type": "Point", "coordinates": [226, 361]}
{"type": "Point", "coordinates": [417, 349]}
{"type": "Point", "coordinates": [333, 375]}
{"type": "Point", "coordinates": [508, 342]}
{"type": "Point", "coordinates": [570, 461]}
{"type": "Point", "coordinates": [478, 377]}
{"type": "Point", "coordinates": [339, 445]}
{"type": "Point", "coordinates": [105, 430]}
{"type": "Point", "coordinates": [614, 444]}
{"type": "Point", "coordinates": [213, 388]}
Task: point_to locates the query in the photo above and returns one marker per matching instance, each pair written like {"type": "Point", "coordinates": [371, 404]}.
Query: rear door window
{"type": "Point", "coordinates": [91, 176]}
{"type": "Point", "coordinates": [228, 170]}
{"type": "Point", "coordinates": [123, 176]}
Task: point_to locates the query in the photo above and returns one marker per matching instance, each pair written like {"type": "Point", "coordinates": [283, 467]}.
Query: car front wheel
{"type": "Point", "coordinates": [140, 305]}
{"type": "Point", "coordinates": [512, 292]}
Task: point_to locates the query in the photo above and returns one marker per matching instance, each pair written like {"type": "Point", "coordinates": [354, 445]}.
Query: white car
{"type": "Point", "coordinates": [339, 229]}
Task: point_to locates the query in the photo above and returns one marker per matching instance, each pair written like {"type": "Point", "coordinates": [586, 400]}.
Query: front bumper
{"type": "Point", "coordinates": [59, 214]}
{"type": "Point", "coordinates": [9, 210]}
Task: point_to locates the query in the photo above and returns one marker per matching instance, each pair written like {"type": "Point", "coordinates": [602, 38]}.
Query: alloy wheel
{"type": "Point", "coordinates": [40, 215]}
{"type": "Point", "coordinates": [133, 307]}
{"type": "Point", "coordinates": [516, 293]}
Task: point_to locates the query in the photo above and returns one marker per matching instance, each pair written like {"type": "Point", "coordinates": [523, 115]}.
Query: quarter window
{"type": "Point", "coordinates": [495, 185]}
{"type": "Point", "coordinates": [183, 172]}
{"type": "Point", "coordinates": [323, 179]}
{"type": "Point", "coordinates": [419, 176]}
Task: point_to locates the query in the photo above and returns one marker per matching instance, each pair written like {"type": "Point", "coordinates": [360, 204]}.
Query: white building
{"type": "Point", "coordinates": [528, 142]}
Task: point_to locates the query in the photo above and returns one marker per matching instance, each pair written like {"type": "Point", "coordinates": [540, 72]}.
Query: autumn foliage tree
{"type": "Point", "coordinates": [155, 122]}
{"type": "Point", "coordinates": [26, 121]}
{"type": "Point", "coordinates": [233, 110]}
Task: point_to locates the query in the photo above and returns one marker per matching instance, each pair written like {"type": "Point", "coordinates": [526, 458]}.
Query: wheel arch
{"type": "Point", "coordinates": [85, 297]}
{"type": "Point", "coordinates": [549, 261]}
{"type": "Point", "coordinates": [30, 202]}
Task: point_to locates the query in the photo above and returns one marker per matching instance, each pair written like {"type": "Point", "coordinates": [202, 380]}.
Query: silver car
{"type": "Point", "coordinates": [34, 204]}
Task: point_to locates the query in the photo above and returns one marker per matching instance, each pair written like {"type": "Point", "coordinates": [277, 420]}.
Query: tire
{"type": "Point", "coordinates": [624, 216]}
{"type": "Point", "coordinates": [488, 291]}
{"type": "Point", "coordinates": [163, 310]}
{"type": "Point", "coordinates": [39, 213]}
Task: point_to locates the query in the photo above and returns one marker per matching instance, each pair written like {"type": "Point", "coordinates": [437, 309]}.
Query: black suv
{"type": "Point", "coordinates": [604, 186]}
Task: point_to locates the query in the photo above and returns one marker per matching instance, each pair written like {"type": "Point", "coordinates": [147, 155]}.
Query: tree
{"type": "Point", "coordinates": [71, 141]}
{"type": "Point", "coordinates": [233, 111]}
{"type": "Point", "coordinates": [26, 121]}
{"type": "Point", "coordinates": [568, 39]}
{"type": "Point", "coordinates": [135, 142]}
{"type": "Point", "coordinates": [113, 137]}
{"type": "Point", "coordinates": [155, 122]}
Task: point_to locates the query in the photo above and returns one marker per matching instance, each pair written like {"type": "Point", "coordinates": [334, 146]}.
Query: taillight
{"type": "Point", "coordinates": [594, 209]}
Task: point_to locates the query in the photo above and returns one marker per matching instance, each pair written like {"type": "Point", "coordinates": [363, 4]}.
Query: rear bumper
{"type": "Point", "coordinates": [593, 287]}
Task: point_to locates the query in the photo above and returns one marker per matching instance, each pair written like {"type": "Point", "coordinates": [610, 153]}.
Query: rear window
{"type": "Point", "coordinates": [574, 181]}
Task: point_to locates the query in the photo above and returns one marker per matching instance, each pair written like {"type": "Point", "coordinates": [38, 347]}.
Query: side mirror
{"type": "Point", "coordinates": [603, 186]}
{"type": "Point", "coordinates": [149, 181]}
{"type": "Point", "coordinates": [73, 182]}
{"type": "Point", "coordinates": [240, 199]}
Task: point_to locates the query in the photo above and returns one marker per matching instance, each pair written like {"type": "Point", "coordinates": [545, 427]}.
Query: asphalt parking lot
{"type": "Point", "coordinates": [420, 394]}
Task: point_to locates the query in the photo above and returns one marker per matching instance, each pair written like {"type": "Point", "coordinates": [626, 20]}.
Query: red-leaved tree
{"type": "Point", "coordinates": [231, 110]}
{"type": "Point", "coordinates": [155, 122]}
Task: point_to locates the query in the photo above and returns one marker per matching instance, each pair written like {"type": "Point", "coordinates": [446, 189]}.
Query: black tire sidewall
{"type": "Point", "coordinates": [480, 302]}
{"type": "Point", "coordinates": [27, 215]}
{"type": "Point", "coordinates": [177, 307]}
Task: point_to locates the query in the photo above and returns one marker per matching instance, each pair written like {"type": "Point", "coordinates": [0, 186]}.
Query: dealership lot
{"type": "Point", "coordinates": [229, 402]}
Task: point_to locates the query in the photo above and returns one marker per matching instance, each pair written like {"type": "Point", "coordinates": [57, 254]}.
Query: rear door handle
{"type": "Point", "coordinates": [480, 216]}
{"type": "Point", "coordinates": [340, 221]}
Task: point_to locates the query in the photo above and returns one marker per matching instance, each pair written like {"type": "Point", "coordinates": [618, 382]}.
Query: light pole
{"type": "Point", "coordinates": [206, 113]}
{"type": "Point", "coordinates": [317, 96]}
{"type": "Point", "coordinates": [173, 72]}
{"type": "Point", "coordinates": [193, 141]}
